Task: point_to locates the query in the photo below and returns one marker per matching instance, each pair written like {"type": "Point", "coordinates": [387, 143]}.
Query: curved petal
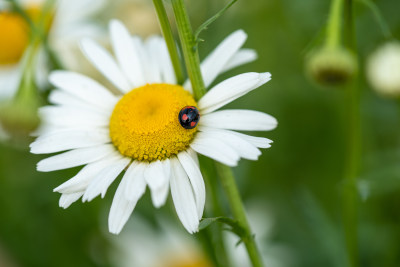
{"type": "Point", "coordinates": [183, 197]}
{"type": "Point", "coordinates": [67, 199]}
{"type": "Point", "coordinates": [241, 146]}
{"type": "Point", "coordinates": [104, 179]}
{"type": "Point", "coordinates": [69, 139]}
{"type": "Point", "coordinates": [86, 175]}
{"type": "Point", "coordinates": [73, 116]}
{"type": "Point", "coordinates": [74, 158]}
{"type": "Point", "coordinates": [105, 63]}
{"type": "Point", "coordinates": [136, 183]}
{"type": "Point", "coordinates": [153, 72]}
{"type": "Point", "coordinates": [166, 67]}
{"type": "Point", "coordinates": [65, 99]}
{"type": "Point", "coordinates": [196, 179]}
{"type": "Point", "coordinates": [126, 53]}
{"type": "Point", "coordinates": [122, 207]}
{"type": "Point", "coordinates": [83, 88]}
{"type": "Point", "coordinates": [243, 56]}
{"type": "Point", "coordinates": [215, 149]}
{"type": "Point", "coordinates": [239, 119]}
{"type": "Point", "coordinates": [157, 175]}
{"type": "Point", "coordinates": [215, 62]}
{"type": "Point", "coordinates": [231, 89]}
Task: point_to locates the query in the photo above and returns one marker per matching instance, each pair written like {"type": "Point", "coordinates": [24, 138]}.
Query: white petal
{"type": "Point", "coordinates": [153, 67]}
{"type": "Point", "coordinates": [215, 149]}
{"type": "Point", "coordinates": [104, 179]}
{"type": "Point", "coordinates": [74, 158]}
{"type": "Point", "coordinates": [85, 176]}
{"type": "Point", "coordinates": [196, 179]}
{"type": "Point", "coordinates": [157, 176]}
{"type": "Point", "coordinates": [135, 184]}
{"type": "Point", "coordinates": [122, 207]}
{"type": "Point", "coordinates": [260, 142]}
{"type": "Point", "coordinates": [143, 58]}
{"type": "Point", "coordinates": [182, 195]}
{"type": "Point", "coordinates": [215, 62]}
{"type": "Point", "coordinates": [239, 119]}
{"type": "Point", "coordinates": [243, 56]}
{"type": "Point", "coordinates": [83, 88]}
{"type": "Point", "coordinates": [105, 63]}
{"type": "Point", "coordinates": [67, 199]}
{"type": "Point", "coordinates": [166, 67]}
{"type": "Point", "coordinates": [244, 148]}
{"type": "Point", "coordinates": [69, 139]}
{"type": "Point", "coordinates": [60, 97]}
{"type": "Point", "coordinates": [126, 53]}
{"type": "Point", "coordinates": [231, 89]}
{"type": "Point", "coordinates": [73, 116]}
{"type": "Point", "coordinates": [193, 154]}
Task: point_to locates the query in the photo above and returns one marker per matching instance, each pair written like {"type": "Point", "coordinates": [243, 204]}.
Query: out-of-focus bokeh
{"type": "Point", "coordinates": [293, 192]}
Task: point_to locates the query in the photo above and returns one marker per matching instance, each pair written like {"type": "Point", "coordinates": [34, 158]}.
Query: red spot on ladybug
{"type": "Point", "coordinates": [189, 116]}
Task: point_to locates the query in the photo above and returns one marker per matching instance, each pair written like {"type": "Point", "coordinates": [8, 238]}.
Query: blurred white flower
{"type": "Point", "coordinates": [69, 24]}
{"type": "Point", "coordinates": [143, 246]}
{"type": "Point", "coordinates": [383, 69]}
{"type": "Point", "coordinates": [140, 243]}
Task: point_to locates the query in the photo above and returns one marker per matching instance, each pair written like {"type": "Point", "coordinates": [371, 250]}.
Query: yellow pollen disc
{"type": "Point", "coordinates": [14, 37]}
{"type": "Point", "coordinates": [145, 125]}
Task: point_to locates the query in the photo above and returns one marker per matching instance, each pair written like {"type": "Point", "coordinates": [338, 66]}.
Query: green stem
{"type": "Point", "coordinates": [192, 61]}
{"type": "Point", "coordinates": [333, 27]}
{"type": "Point", "coordinates": [230, 187]}
{"type": "Point", "coordinates": [169, 39]}
{"type": "Point", "coordinates": [350, 195]}
{"type": "Point", "coordinates": [188, 42]}
{"type": "Point", "coordinates": [27, 89]}
{"type": "Point", "coordinates": [216, 210]}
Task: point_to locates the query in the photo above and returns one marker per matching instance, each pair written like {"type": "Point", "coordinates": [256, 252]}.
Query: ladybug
{"type": "Point", "coordinates": [189, 116]}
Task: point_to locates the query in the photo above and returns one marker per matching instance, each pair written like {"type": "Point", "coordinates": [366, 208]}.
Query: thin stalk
{"type": "Point", "coordinates": [169, 39]}
{"type": "Point", "coordinates": [230, 187]}
{"type": "Point", "coordinates": [192, 61]}
{"type": "Point", "coordinates": [350, 195]}
{"type": "Point", "coordinates": [216, 210]}
{"type": "Point", "coordinates": [26, 89]}
{"type": "Point", "coordinates": [190, 54]}
{"type": "Point", "coordinates": [334, 23]}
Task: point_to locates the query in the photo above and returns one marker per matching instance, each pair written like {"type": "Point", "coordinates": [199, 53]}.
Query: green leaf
{"type": "Point", "coordinates": [205, 25]}
{"type": "Point", "coordinates": [233, 226]}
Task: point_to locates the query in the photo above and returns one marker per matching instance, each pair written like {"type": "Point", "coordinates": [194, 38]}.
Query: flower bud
{"type": "Point", "coordinates": [383, 69]}
{"type": "Point", "coordinates": [331, 67]}
{"type": "Point", "coordinates": [18, 119]}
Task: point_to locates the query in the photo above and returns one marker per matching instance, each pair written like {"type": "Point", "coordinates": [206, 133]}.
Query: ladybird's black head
{"type": "Point", "coordinates": [189, 117]}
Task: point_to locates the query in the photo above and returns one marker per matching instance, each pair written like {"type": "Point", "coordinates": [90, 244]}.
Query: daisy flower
{"type": "Point", "coordinates": [153, 128]}
{"type": "Point", "coordinates": [69, 22]}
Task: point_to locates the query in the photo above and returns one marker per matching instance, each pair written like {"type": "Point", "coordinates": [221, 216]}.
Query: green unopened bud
{"type": "Point", "coordinates": [19, 119]}
{"type": "Point", "coordinates": [331, 67]}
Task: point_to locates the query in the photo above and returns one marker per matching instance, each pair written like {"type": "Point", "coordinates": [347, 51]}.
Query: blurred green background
{"type": "Point", "coordinates": [298, 181]}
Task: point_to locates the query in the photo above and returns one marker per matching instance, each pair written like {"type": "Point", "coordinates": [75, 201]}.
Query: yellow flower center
{"type": "Point", "coordinates": [145, 125]}
{"type": "Point", "coordinates": [14, 37]}
{"type": "Point", "coordinates": [15, 31]}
